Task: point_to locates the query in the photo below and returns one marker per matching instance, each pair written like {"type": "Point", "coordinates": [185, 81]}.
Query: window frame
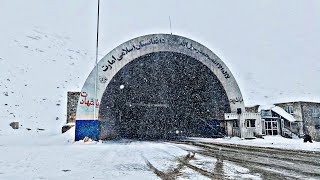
{"type": "Point", "coordinates": [289, 109]}
{"type": "Point", "coordinates": [250, 123]}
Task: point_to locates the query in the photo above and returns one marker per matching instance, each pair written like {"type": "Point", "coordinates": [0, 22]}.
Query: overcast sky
{"type": "Point", "coordinates": [271, 46]}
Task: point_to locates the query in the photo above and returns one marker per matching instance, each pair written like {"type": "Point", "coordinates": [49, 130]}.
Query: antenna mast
{"type": "Point", "coordinates": [170, 25]}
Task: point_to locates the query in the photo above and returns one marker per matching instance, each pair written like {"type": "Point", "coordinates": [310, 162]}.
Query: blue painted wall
{"type": "Point", "coordinates": [90, 128]}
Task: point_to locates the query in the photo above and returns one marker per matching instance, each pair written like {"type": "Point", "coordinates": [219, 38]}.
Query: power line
{"type": "Point", "coordinates": [96, 63]}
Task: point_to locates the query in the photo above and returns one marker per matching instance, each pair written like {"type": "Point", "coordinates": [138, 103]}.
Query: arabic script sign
{"type": "Point", "coordinates": [134, 47]}
{"type": "Point", "coordinates": [156, 40]}
{"type": "Point", "coordinates": [215, 62]}
{"type": "Point", "coordinates": [92, 102]}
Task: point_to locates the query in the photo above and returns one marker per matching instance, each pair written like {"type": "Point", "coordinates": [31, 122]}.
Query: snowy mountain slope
{"type": "Point", "coordinates": [37, 69]}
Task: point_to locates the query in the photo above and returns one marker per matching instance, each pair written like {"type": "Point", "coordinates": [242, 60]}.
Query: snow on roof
{"type": "Point", "coordinates": [265, 107]}
{"type": "Point", "coordinates": [283, 113]}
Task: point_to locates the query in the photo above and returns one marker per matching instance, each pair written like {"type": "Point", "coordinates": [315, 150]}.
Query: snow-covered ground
{"type": "Point", "coordinates": [267, 141]}
{"type": "Point", "coordinates": [30, 155]}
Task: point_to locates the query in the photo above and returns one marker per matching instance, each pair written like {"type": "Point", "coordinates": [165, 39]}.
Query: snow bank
{"type": "Point", "coordinates": [268, 141]}
{"type": "Point", "coordinates": [24, 137]}
{"type": "Point", "coordinates": [265, 107]}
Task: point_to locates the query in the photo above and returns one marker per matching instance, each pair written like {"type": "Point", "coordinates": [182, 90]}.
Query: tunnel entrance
{"type": "Point", "coordinates": [162, 95]}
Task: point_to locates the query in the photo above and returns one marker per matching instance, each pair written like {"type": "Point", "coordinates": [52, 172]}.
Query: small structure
{"type": "Point", "coordinates": [246, 125]}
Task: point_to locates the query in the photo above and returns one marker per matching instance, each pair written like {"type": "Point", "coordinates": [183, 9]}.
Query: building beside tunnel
{"type": "Point", "coordinates": [160, 86]}
{"type": "Point", "coordinates": [289, 119]}
{"type": "Point", "coordinates": [307, 115]}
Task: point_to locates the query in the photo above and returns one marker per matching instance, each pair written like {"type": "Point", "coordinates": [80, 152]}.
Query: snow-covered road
{"type": "Point", "coordinates": [270, 163]}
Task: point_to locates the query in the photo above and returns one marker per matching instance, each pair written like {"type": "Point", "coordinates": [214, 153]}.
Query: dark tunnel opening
{"type": "Point", "coordinates": [162, 95]}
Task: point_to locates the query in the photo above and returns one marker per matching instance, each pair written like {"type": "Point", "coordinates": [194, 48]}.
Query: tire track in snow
{"type": "Point", "coordinates": [275, 163]}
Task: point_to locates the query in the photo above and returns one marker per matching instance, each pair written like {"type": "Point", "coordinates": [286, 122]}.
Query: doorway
{"type": "Point", "coordinates": [271, 127]}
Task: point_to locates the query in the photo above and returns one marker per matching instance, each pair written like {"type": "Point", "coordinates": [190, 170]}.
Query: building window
{"type": "Point", "coordinates": [266, 113]}
{"type": "Point", "coordinates": [289, 109]}
{"type": "Point", "coordinates": [235, 124]}
{"type": "Point", "coordinates": [250, 123]}
{"type": "Point", "coordinates": [315, 112]}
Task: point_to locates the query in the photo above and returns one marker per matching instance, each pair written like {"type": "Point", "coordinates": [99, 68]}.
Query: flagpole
{"type": "Point", "coordinates": [96, 63]}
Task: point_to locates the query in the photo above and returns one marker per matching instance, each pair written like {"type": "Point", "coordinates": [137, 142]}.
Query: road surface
{"type": "Point", "coordinates": [268, 163]}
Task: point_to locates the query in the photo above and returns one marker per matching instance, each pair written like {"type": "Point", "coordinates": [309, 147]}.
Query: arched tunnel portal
{"type": "Point", "coordinates": [157, 86]}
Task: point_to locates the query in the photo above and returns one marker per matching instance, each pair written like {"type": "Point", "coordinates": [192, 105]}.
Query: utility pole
{"type": "Point", "coordinates": [96, 63]}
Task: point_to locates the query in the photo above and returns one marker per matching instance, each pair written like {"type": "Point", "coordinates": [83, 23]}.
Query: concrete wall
{"type": "Point", "coordinates": [311, 121]}
{"type": "Point", "coordinates": [72, 103]}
